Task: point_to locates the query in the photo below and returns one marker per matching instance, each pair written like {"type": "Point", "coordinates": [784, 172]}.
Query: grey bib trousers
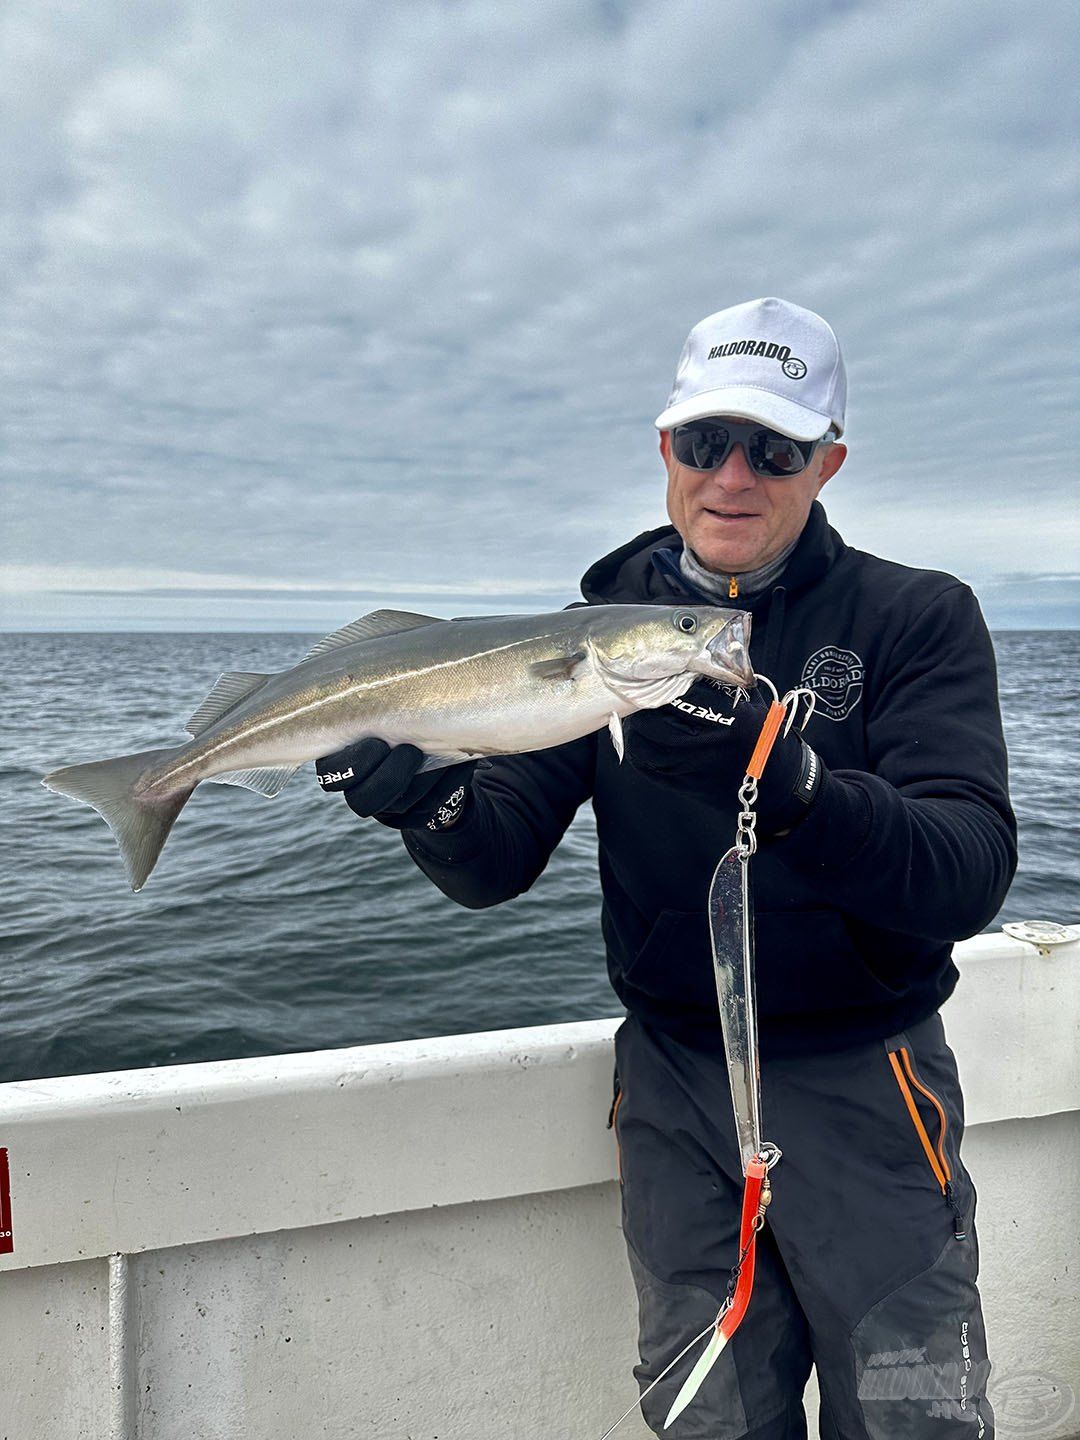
{"type": "Point", "coordinates": [868, 1262]}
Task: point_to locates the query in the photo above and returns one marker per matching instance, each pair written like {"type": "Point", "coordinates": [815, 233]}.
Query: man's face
{"type": "Point", "coordinates": [734, 520]}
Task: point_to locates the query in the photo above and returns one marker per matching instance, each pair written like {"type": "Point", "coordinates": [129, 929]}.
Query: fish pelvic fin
{"type": "Point", "coordinates": [439, 760]}
{"type": "Point", "coordinates": [141, 825]}
{"type": "Point", "coordinates": [616, 731]}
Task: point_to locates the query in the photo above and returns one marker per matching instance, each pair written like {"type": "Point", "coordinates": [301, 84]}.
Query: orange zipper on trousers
{"type": "Point", "coordinates": [904, 1071]}
{"type": "Point", "coordinates": [900, 1061]}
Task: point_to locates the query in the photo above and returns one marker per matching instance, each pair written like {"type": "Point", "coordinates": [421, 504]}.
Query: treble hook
{"type": "Point", "coordinates": [764, 680]}
{"type": "Point", "coordinates": [790, 701]}
{"type": "Point", "coordinates": [792, 698]}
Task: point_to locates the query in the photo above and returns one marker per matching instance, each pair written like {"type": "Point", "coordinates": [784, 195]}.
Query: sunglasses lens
{"type": "Point", "coordinates": [700, 447]}
{"type": "Point", "coordinates": [704, 444]}
{"type": "Point", "coordinates": [773, 454]}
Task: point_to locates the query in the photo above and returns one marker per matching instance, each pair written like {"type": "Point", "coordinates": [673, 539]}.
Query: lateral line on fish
{"type": "Point", "coordinates": [340, 695]}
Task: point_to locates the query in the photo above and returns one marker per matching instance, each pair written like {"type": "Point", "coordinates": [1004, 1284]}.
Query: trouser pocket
{"type": "Point", "coordinates": [931, 1126]}
{"type": "Point", "coordinates": [613, 1120]}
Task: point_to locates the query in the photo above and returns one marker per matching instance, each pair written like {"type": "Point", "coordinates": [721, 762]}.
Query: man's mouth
{"type": "Point", "coordinates": [732, 514]}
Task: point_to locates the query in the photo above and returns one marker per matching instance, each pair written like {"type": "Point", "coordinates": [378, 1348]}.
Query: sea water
{"type": "Point", "coordinates": [291, 925]}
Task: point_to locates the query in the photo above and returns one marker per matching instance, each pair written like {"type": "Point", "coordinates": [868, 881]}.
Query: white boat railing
{"type": "Point", "coordinates": [422, 1239]}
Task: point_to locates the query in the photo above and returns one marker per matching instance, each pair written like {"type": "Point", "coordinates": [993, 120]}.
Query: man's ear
{"type": "Point", "coordinates": [835, 456]}
{"type": "Point", "coordinates": [665, 444]}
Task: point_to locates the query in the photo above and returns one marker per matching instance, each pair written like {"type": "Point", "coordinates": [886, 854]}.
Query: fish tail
{"type": "Point", "coordinates": [141, 824]}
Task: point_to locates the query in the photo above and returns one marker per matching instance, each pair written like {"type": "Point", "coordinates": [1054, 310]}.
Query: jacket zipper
{"type": "Point", "coordinates": [904, 1071]}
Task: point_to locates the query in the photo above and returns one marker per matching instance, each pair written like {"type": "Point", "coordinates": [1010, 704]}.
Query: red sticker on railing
{"type": "Point", "coordinates": [6, 1243]}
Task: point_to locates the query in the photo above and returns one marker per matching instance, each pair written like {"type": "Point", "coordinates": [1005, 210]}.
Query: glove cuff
{"type": "Point", "coordinates": [453, 845]}
{"type": "Point", "coordinates": [786, 811]}
{"type": "Point", "coordinates": [444, 795]}
{"type": "Point", "coordinates": [808, 781]}
{"type": "Point", "coordinates": [450, 810]}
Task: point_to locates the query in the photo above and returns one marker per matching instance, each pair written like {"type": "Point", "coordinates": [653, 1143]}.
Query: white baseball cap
{"type": "Point", "coordinates": [767, 360]}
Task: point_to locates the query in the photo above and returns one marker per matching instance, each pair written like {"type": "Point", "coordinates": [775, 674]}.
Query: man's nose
{"type": "Point", "coordinates": [735, 473]}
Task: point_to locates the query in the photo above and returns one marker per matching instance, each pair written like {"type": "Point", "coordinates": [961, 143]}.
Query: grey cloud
{"type": "Point", "coordinates": [384, 293]}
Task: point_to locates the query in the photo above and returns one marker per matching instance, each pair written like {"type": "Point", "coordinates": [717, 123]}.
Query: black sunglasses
{"type": "Point", "coordinates": [706, 444]}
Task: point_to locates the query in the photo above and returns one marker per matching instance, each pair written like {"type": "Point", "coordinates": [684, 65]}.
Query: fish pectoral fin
{"type": "Point", "coordinates": [371, 627]}
{"type": "Point", "coordinates": [615, 727]}
{"type": "Point", "coordinates": [230, 689]}
{"type": "Point", "coordinates": [563, 667]}
{"type": "Point", "coordinates": [268, 782]}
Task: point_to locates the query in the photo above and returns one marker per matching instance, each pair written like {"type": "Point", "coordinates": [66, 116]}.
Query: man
{"type": "Point", "coordinates": [886, 834]}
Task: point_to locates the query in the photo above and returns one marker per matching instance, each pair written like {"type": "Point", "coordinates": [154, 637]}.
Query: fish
{"type": "Point", "coordinates": [457, 689]}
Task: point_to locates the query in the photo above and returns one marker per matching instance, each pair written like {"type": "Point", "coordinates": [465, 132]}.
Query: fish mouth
{"type": "Point", "coordinates": [727, 654]}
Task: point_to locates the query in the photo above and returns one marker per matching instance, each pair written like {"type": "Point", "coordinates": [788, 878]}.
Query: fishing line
{"type": "Point", "coordinates": [670, 1366]}
{"type": "Point", "coordinates": [730, 913]}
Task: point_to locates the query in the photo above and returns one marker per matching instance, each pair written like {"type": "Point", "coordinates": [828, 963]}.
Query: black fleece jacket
{"type": "Point", "coordinates": [909, 845]}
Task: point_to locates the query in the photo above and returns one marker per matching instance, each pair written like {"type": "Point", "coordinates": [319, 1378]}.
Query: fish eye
{"type": "Point", "coordinates": [686, 622]}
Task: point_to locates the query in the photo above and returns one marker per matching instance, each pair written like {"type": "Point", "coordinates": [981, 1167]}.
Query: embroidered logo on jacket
{"type": "Point", "coordinates": [836, 678]}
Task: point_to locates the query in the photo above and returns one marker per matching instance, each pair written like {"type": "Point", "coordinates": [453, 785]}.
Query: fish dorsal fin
{"type": "Point", "coordinates": [267, 781]}
{"type": "Point", "coordinates": [370, 627]}
{"type": "Point", "coordinates": [231, 688]}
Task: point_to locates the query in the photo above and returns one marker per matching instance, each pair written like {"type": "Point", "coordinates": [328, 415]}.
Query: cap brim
{"type": "Point", "coordinates": [752, 403]}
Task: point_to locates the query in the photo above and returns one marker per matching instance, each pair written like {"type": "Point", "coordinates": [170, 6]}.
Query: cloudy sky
{"type": "Point", "coordinates": [306, 308]}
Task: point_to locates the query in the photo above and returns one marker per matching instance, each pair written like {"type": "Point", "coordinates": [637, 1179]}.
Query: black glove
{"type": "Point", "coordinates": [382, 781]}
{"type": "Point", "coordinates": [703, 743]}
